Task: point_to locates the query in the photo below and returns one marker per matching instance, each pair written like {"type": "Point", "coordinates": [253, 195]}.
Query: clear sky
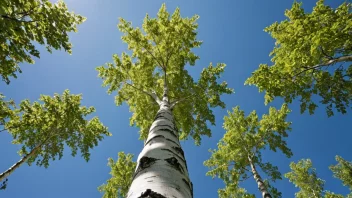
{"type": "Point", "coordinates": [232, 32]}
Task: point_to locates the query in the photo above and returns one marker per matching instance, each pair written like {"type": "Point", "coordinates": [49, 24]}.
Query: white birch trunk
{"type": "Point", "coordinates": [261, 186]}
{"type": "Point", "coordinates": [9, 171]}
{"type": "Point", "coordinates": [161, 170]}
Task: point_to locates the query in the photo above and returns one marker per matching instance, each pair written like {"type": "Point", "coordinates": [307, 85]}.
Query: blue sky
{"type": "Point", "coordinates": [232, 32]}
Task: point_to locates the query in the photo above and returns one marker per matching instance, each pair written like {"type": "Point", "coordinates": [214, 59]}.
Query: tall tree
{"type": "Point", "coordinates": [241, 148]}
{"type": "Point", "coordinates": [22, 23]}
{"type": "Point", "coordinates": [304, 176]}
{"type": "Point", "coordinates": [167, 104]}
{"type": "Point", "coordinates": [121, 176]}
{"type": "Point", "coordinates": [312, 56]}
{"type": "Point", "coordinates": [43, 128]}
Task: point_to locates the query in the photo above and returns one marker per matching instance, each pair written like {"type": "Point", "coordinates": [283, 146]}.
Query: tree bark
{"type": "Point", "coordinates": [261, 186]}
{"type": "Point", "coordinates": [161, 170]}
{"type": "Point", "coordinates": [9, 171]}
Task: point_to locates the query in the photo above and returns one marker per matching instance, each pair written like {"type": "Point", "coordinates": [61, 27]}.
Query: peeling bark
{"type": "Point", "coordinates": [161, 166]}
{"type": "Point", "coordinates": [261, 186]}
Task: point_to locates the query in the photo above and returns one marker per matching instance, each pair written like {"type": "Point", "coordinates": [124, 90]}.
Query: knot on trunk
{"type": "Point", "coordinates": [151, 194]}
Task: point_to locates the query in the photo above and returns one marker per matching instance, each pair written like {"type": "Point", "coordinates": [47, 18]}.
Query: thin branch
{"type": "Point", "coordinates": [153, 95]}
{"type": "Point", "coordinates": [330, 62]}
{"type": "Point", "coordinates": [174, 103]}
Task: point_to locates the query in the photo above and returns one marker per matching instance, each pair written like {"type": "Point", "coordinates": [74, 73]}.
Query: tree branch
{"type": "Point", "coordinates": [153, 95]}
{"type": "Point", "coordinates": [328, 63]}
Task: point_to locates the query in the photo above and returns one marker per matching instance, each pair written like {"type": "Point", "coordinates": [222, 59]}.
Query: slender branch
{"type": "Point", "coordinates": [153, 95]}
{"type": "Point", "coordinates": [157, 47]}
{"type": "Point", "coordinates": [328, 63]}
{"type": "Point", "coordinates": [174, 103]}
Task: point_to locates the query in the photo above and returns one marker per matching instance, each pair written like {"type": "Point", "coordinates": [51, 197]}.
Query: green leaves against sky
{"type": "Point", "coordinates": [53, 122]}
{"type": "Point", "coordinates": [160, 52]}
{"type": "Point", "coordinates": [24, 23]}
{"type": "Point", "coordinates": [246, 137]}
{"type": "Point", "coordinates": [304, 176]}
{"type": "Point", "coordinates": [121, 176]}
{"type": "Point", "coordinates": [312, 56]}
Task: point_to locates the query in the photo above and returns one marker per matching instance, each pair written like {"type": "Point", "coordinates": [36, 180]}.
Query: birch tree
{"type": "Point", "coordinates": [44, 128]}
{"type": "Point", "coordinates": [312, 56]}
{"type": "Point", "coordinates": [238, 156]}
{"type": "Point", "coordinates": [24, 23]}
{"type": "Point", "coordinates": [303, 175]}
{"type": "Point", "coordinates": [167, 104]}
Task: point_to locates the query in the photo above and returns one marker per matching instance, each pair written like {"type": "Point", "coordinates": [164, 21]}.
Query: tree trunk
{"type": "Point", "coordinates": [161, 170]}
{"type": "Point", "coordinates": [18, 164]}
{"type": "Point", "coordinates": [261, 186]}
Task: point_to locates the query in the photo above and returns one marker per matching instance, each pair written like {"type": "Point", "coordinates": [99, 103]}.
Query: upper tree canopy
{"type": "Point", "coordinates": [312, 56]}
{"type": "Point", "coordinates": [24, 22]}
{"type": "Point", "coordinates": [160, 52]}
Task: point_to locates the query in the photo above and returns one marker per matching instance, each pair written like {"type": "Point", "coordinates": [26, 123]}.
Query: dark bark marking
{"type": "Point", "coordinates": [175, 154]}
{"type": "Point", "coordinates": [267, 195]}
{"type": "Point", "coordinates": [171, 141]}
{"type": "Point", "coordinates": [169, 131]}
{"type": "Point", "coordinates": [151, 194]}
{"type": "Point", "coordinates": [144, 163]}
{"type": "Point", "coordinates": [157, 136]}
{"type": "Point", "coordinates": [161, 115]}
{"type": "Point", "coordinates": [179, 150]}
{"type": "Point", "coordinates": [190, 185]}
{"type": "Point", "coordinates": [175, 164]}
{"type": "Point", "coordinates": [150, 177]}
{"type": "Point", "coordinates": [162, 125]}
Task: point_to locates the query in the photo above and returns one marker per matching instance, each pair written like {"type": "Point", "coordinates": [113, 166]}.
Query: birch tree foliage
{"type": "Point", "coordinates": [160, 52]}
{"type": "Point", "coordinates": [246, 137]}
{"type": "Point", "coordinates": [312, 56]}
{"type": "Point", "coordinates": [24, 23]}
{"type": "Point", "coordinates": [6, 111]}
{"type": "Point", "coordinates": [303, 175]}
{"type": "Point", "coordinates": [53, 122]}
{"type": "Point", "coordinates": [343, 171]}
{"type": "Point", "coordinates": [121, 176]}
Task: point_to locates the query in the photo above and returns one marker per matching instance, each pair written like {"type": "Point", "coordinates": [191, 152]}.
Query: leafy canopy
{"type": "Point", "coordinates": [6, 111]}
{"type": "Point", "coordinates": [24, 23]}
{"type": "Point", "coordinates": [121, 176]}
{"type": "Point", "coordinates": [343, 171]}
{"type": "Point", "coordinates": [53, 122]}
{"type": "Point", "coordinates": [304, 176]}
{"type": "Point", "coordinates": [245, 138]}
{"type": "Point", "coordinates": [160, 52]}
{"type": "Point", "coordinates": [312, 56]}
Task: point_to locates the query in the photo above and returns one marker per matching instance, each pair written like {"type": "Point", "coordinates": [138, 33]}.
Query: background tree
{"type": "Point", "coordinates": [343, 171]}
{"type": "Point", "coordinates": [312, 56]}
{"type": "Point", "coordinates": [22, 23]}
{"type": "Point", "coordinates": [43, 128]}
{"type": "Point", "coordinates": [304, 176]}
{"type": "Point", "coordinates": [241, 148]}
{"type": "Point", "coordinates": [121, 176]}
{"type": "Point", "coordinates": [164, 98]}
